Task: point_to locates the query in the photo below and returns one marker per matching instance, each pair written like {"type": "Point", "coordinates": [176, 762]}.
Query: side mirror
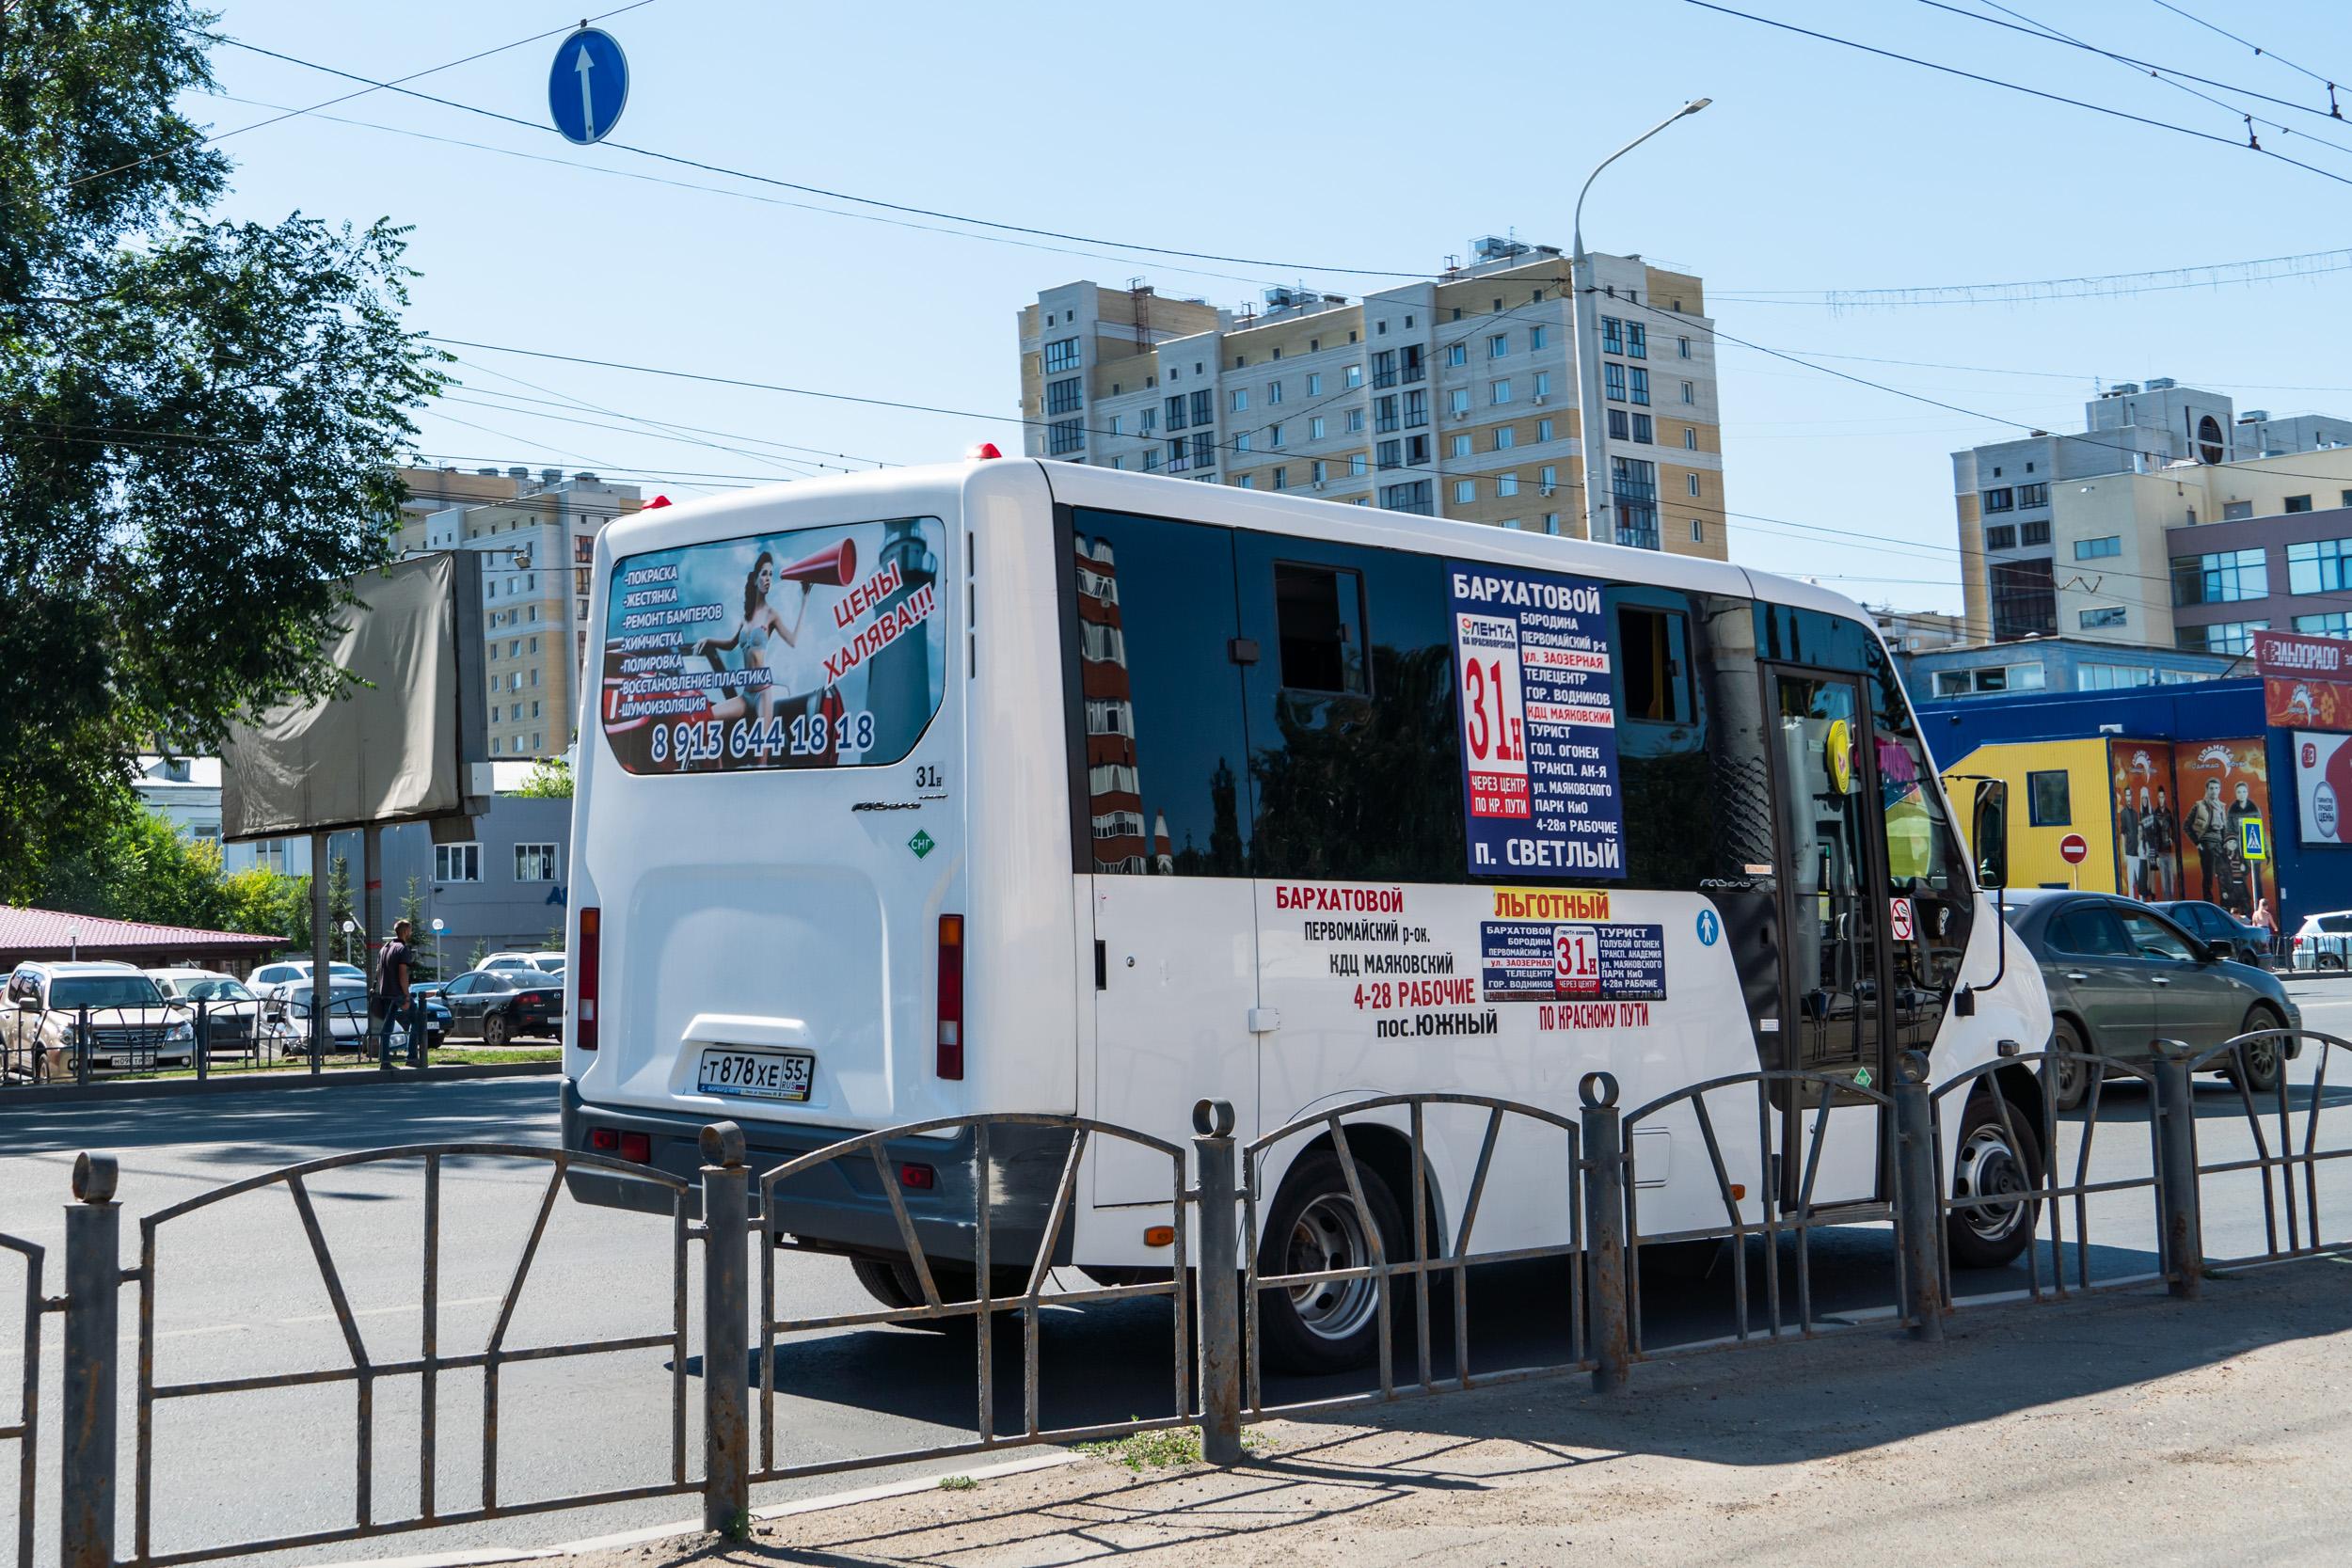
{"type": "Point", "coordinates": [1988, 832]}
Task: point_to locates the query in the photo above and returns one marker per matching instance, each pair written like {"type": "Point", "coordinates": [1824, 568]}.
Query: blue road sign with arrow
{"type": "Point", "coordinates": [587, 85]}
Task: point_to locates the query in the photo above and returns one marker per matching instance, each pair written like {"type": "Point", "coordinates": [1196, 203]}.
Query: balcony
{"type": "Point", "coordinates": [1635, 489]}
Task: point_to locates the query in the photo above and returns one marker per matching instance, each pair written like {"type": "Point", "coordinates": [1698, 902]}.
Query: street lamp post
{"type": "Point", "coordinates": [1592, 419]}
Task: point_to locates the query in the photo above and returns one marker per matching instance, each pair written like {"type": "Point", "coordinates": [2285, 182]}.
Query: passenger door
{"type": "Point", "coordinates": [2195, 1001]}
{"type": "Point", "coordinates": [462, 1004]}
{"type": "Point", "coordinates": [1161, 835]}
{"type": "Point", "coordinates": [1834, 912]}
{"type": "Point", "coordinates": [2093, 965]}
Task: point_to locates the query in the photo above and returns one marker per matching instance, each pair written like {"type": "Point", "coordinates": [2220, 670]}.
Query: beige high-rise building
{"type": "Point", "coordinates": [1451, 398]}
{"type": "Point", "coordinates": [537, 534]}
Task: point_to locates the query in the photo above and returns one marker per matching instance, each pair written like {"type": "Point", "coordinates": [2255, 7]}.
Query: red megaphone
{"type": "Point", "coordinates": [834, 567]}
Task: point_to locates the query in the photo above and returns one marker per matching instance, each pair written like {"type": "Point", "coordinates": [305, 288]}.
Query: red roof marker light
{"type": "Point", "coordinates": [984, 448]}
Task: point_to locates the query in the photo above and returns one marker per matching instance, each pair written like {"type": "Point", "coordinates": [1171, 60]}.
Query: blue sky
{"type": "Point", "coordinates": [1379, 135]}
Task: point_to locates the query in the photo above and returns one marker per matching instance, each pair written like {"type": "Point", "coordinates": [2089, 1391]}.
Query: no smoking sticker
{"type": "Point", "coordinates": [1899, 916]}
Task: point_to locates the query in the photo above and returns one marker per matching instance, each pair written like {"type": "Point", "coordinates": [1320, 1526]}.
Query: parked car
{"type": "Point", "coordinates": [231, 1013]}
{"type": "Point", "coordinates": [546, 960]}
{"type": "Point", "coordinates": [2222, 931]}
{"type": "Point", "coordinates": [499, 1006]}
{"type": "Point", "coordinates": [2322, 941]}
{"type": "Point", "coordinates": [286, 1016]}
{"type": "Point", "coordinates": [271, 978]}
{"type": "Point", "coordinates": [2120, 975]}
{"type": "Point", "coordinates": [131, 1025]}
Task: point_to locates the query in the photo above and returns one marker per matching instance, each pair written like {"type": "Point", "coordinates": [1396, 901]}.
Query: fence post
{"type": "Point", "coordinates": [2176, 1170]}
{"type": "Point", "coordinates": [726, 1335]}
{"type": "Point", "coordinates": [1917, 1206]}
{"type": "Point", "coordinates": [93, 1283]}
{"type": "Point", "coordinates": [420, 1012]}
{"type": "Point", "coordinates": [1603, 1137]}
{"type": "Point", "coordinates": [1217, 1305]}
{"type": "Point", "coordinates": [204, 1039]}
{"type": "Point", "coordinates": [81, 1045]}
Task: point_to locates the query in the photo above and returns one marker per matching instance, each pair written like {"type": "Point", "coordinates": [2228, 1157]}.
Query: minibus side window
{"type": "Point", "coordinates": [1665, 778]}
{"type": "Point", "coordinates": [1158, 754]}
{"type": "Point", "coordinates": [1355, 750]}
{"type": "Point", "coordinates": [1924, 864]}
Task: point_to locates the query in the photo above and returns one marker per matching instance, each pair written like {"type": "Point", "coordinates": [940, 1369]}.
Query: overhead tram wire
{"type": "Point", "coordinates": [1285, 268]}
{"type": "Point", "coordinates": [2020, 87]}
{"type": "Point", "coordinates": [375, 87]}
{"type": "Point", "coordinates": [2258, 48]}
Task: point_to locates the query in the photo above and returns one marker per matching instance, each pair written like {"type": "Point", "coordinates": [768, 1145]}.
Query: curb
{"type": "Point", "coordinates": [69, 1094]}
{"type": "Point", "coordinates": [480, 1557]}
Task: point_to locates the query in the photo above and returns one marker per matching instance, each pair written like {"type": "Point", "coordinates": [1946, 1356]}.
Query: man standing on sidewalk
{"type": "Point", "coordinates": [392, 976]}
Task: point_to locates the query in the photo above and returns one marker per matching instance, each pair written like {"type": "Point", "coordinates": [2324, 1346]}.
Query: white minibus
{"type": "Point", "coordinates": [1017, 785]}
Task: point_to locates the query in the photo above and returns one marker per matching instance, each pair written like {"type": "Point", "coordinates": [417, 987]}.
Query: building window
{"type": "Point", "coordinates": [1612, 382]}
{"type": "Point", "coordinates": [1119, 424]}
{"type": "Point", "coordinates": [1543, 430]}
{"type": "Point", "coordinates": [1355, 420]}
{"type": "Point", "coordinates": [1465, 491]}
{"type": "Point", "coordinates": [2121, 677]}
{"type": "Point", "coordinates": [2024, 598]}
{"type": "Point", "coordinates": [1620, 425]}
{"type": "Point", "coordinates": [1691, 483]}
{"type": "Point", "coordinates": [1690, 438]}
{"type": "Point", "coordinates": [1061, 354]}
{"type": "Point", "coordinates": [1204, 407]}
{"type": "Point", "coordinates": [1506, 437]}
{"type": "Point", "coordinates": [1506, 485]}
{"type": "Point", "coordinates": [1636, 340]}
{"type": "Point", "coordinates": [1458, 400]}
{"type": "Point", "coordinates": [2235, 638]}
{"type": "Point", "coordinates": [2034, 533]}
{"type": "Point", "coordinates": [457, 862]}
{"type": "Point", "coordinates": [2320, 566]}
{"type": "Point", "coordinates": [1061, 397]}
{"type": "Point", "coordinates": [2106, 615]}
{"type": "Point", "coordinates": [1176, 412]}
{"type": "Point", "coordinates": [272, 854]}
{"type": "Point", "coordinates": [2335, 622]}
{"type": "Point", "coordinates": [2298, 504]}
{"type": "Point", "coordinates": [1537, 335]}
{"type": "Point", "coordinates": [534, 863]}
{"type": "Point", "coordinates": [1641, 385]}
{"type": "Point", "coordinates": [1612, 335]}
{"type": "Point", "coordinates": [1178, 460]}
{"type": "Point", "coordinates": [2047, 801]}
{"type": "Point", "coordinates": [1245, 481]}
{"type": "Point", "coordinates": [1151, 460]}
{"type": "Point", "coordinates": [1317, 472]}
{"type": "Point", "coordinates": [1282, 478]}
{"type": "Point", "coordinates": [1698, 531]}
{"type": "Point", "coordinates": [2232, 511]}
{"type": "Point", "coordinates": [2033, 495]}
{"type": "Point", "coordinates": [1414, 497]}
{"type": "Point", "coordinates": [1458, 446]}
{"type": "Point", "coordinates": [1065, 435]}
{"type": "Point", "coordinates": [2098, 550]}
{"type": "Point", "coordinates": [1683, 349]}
{"type": "Point", "coordinates": [1202, 448]}
{"type": "Point", "coordinates": [1391, 454]}
{"type": "Point", "coordinates": [1356, 466]}
{"type": "Point", "coordinates": [1417, 407]}
{"type": "Point", "coordinates": [1383, 367]}
{"type": "Point", "coordinates": [1315, 428]}
{"type": "Point", "coordinates": [1241, 400]}
{"type": "Point", "coordinates": [2001, 500]}
{"type": "Point", "coordinates": [2223, 578]}
{"type": "Point", "coordinates": [2001, 536]}
{"type": "Point", "coordinates": [1242, 441]}
{"type": "Point", "coordinates": [1548, 477]}
{"type": "Point", "coordinates": [1690, 392]}
{"type": "Point", "coordinates": [1354, 374]}
{"type": "Point", "coordinates": [1500, 391]}
{"type": "Point", "coordinates": [1499, 346]}
{"type": "Point", "coordinates": [1274, 390]}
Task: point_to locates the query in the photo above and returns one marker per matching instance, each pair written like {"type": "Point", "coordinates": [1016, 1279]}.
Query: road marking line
{"type": "Point", "coordinates": [385, 1311]}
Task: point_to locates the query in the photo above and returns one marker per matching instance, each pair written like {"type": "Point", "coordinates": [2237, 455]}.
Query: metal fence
{"type": "Point", "coordinates": [86, 1045]}
{"type": "Point", "coordinates": [988, 1232]}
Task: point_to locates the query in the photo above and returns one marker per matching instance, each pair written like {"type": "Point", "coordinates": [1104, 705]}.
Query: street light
{"type": "Point", "coordinates": [1592, 419]}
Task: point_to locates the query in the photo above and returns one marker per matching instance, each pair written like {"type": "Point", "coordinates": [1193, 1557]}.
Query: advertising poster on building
{"type": "Point", "coordinates": [2322, 787]}
{"type": "Point", "coordinates": [821, 647]}
{"type": "Point", "coordinates": [2223, 784]}
{"type": "Point", "coordinates": [2307, 681]}
{"type": "Point", "coordinates": [2147, 819]}
{"type": "Point", "coordinates": [1539, 740]}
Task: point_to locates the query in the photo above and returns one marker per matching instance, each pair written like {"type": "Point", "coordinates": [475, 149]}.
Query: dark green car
{"type": "Point", "coordinates": [2122, 975]}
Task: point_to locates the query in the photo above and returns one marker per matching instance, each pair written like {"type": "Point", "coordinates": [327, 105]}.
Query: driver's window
{"type": "Point", "coordinates": [2152, 939]}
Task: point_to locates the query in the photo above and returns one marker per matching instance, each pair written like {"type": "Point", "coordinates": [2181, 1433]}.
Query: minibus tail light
{"type": "Point", "coordinates": [951, 996]}
{"type": "Point", "coordinates": [584, 965]}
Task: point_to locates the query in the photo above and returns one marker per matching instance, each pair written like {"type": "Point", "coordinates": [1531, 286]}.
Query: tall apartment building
{"type": "Point", "coordinates": [537, 533]}
{"type": "Point", "coordinates": [2067, 534]}
{"type": "Point", "coordinates": [1452, 398]}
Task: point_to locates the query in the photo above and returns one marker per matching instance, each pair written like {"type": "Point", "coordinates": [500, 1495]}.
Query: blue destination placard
{"type": "Point", "coordinates": [1577, 961]}
{"type": "Point", "coordinates": [1539, 740]}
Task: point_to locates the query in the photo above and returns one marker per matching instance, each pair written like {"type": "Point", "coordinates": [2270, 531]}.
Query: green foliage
{"type": "Point", "coordinates": [200, 423]}
{"type": "Point", "coordinates": [135, 865]}
{"type": "Point", "coordinates": [956, 1483]}
{"type": "Point", "coordinates": [338, 894]}
{"type": "Point", "coordinates": [481, 951]}
{"type": "Point", "coordinates": [1163, 1448]}
{"type": "Point", "coordinates": [550, 779]}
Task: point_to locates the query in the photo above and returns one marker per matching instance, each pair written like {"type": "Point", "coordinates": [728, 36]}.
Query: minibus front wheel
{"type": "Point", "coordinates": [1315, 1228]}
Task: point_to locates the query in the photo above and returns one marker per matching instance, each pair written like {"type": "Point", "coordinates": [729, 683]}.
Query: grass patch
{"type": "Point", "coordinates": [1162, 1450]}
{"type": "Point", "coordinates": [956, 1483]}
{"type": "Point", "coordinates": [340, 1062]}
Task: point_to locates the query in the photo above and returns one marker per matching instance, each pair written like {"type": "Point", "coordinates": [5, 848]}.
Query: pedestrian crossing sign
{"type": "Point", "coordinates": [2251, 845]}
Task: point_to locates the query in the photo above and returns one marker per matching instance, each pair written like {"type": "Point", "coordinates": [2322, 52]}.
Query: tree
{"type": "Point", "coordinates": [412, 910]}
{"type": "Point", "coordinates": [200, 423]}
{"type": "Point", "coordinates": [550, 779]}
{"type": "Point", "coordinates": [133, 865]}
{"type": "Point", "coordinates": [338, 899]}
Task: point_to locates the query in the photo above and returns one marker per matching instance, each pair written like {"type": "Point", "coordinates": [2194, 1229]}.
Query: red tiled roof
{"type": "Point", "coordinates": [25, 932]}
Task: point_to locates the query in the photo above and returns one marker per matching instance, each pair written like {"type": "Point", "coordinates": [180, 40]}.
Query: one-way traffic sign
{"type": "Point", "coordinates": [587, 85]}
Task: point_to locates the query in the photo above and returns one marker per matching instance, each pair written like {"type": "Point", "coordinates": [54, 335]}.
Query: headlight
{"type": "Point", "coordinates": [180, 1033]}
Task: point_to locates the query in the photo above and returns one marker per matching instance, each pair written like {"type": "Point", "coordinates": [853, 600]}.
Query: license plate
{"type": "Point", "coordinates": [757, 1074]}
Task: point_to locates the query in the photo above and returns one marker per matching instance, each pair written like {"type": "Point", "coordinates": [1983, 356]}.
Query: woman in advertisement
{"type": "Point", "coordinates": [751, 634]}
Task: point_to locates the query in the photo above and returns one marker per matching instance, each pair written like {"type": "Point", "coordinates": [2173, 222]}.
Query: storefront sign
{"type": "Point", "coordinates": [2307, 681]}
{"type": "Point", "coordinates": [2323, 787]}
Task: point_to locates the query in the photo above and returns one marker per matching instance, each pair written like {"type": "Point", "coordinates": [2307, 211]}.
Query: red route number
{"type": "Point", "coordinates": [1575, 961]}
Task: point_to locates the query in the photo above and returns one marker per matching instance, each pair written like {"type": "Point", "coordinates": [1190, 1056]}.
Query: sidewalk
{"type": "Point", "coordinates": [2121, 1430]}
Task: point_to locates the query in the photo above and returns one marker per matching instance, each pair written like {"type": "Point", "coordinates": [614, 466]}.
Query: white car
{"type": "Point", "coordinates": [2323, 941]}
{"type": "Point", "coordinates": [232, 1011]}
{"type": "Point", "coordinates": [272, 979]}
{"type": "Point", "coordinates": [286, 1016]}
{"type": "Point", "coordinates": [547, 962]}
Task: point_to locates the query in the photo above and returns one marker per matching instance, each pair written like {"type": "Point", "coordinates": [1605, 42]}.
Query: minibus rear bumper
{"type": "Point", "coordinates": [840, 1206]}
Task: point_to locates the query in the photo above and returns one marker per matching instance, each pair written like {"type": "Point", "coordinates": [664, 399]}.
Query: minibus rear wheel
{"type": "Point", "coordinates": [1994, 1159]}
{"type": "Point", "coordinates": [1314, 1226]}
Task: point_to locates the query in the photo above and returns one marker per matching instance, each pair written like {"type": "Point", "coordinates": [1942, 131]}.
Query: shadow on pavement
{"type": "Point", "coordinates": [284, 1126]}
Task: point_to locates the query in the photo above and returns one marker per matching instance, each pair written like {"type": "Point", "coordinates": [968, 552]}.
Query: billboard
{"type": "Point", "coordinates": [396, 743]}
{"type": "Point", "coordinates": [2322, 787]}
{"type": "Point", "coordinates": [2307, 681]}
{"type": "Point", "coordinates": [2224, 785]}
{"type": "Point", "coordinates": [2146, 816]}
{"type": "Point", "coordinates": [814, 647]}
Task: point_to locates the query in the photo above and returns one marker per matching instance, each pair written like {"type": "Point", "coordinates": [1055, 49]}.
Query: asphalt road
{"type": "Point", "coordinates": [238, 1295]}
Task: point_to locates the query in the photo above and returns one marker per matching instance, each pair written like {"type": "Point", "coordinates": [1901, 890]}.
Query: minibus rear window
{"type": "Point", "coordinates": [814, 647]}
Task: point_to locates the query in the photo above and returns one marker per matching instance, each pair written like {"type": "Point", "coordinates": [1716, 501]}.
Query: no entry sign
{"type": "Point", "coordinates": [2073, 849]}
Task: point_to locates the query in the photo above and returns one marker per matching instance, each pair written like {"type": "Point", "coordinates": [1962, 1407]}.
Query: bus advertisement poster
{"type": "Point", "coordinates": [1530, 962]}
{"type": "Point", "coordinates": [818, 647]}
{"type": "Point", "coordinates": [1539, 742]}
